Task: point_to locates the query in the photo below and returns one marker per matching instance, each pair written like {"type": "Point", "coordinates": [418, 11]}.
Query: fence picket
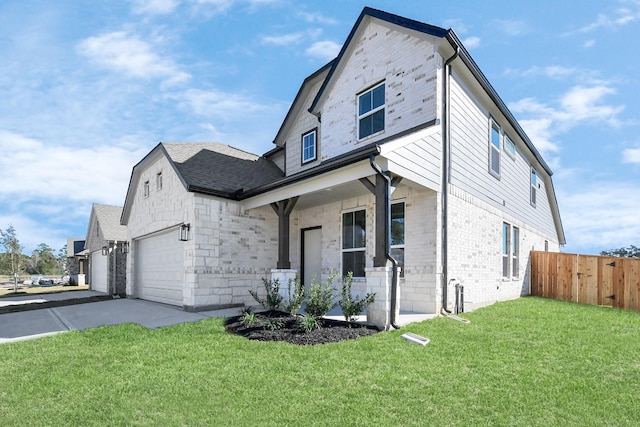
{"type": "Point", "coordinates": [588, 279]}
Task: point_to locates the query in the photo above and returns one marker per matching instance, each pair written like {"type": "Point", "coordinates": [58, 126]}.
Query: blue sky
{"type": "Point", "coordinates": [87, 88]}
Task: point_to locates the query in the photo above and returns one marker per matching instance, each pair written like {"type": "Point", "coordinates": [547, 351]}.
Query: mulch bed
{"type": "Point", "coordinates": [331, 330]}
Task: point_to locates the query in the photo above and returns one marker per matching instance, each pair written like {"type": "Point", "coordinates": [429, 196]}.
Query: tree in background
{"type": "Point", "coordinates": [44, 261]}
{"type": "Point", "coordinates": [62, 259]}
{"type": "Point", "coordinates": [13, 253]}
{"type": "Point", "coordinates": [630, 252]}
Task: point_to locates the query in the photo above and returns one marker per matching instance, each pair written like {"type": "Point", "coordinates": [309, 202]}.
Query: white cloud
{"type": "Point", "coordinates": [155, 7]}
{"type": "Point", "coordinates": [215, 103]}
{"type": "Point", "coordinates": [601, 216]}
{"type": "Point", "coordinates": [32, 169]}
{"type": "Point", "coordinates": [551, 71]}
{"type": "Point", "coordinates": [221, 6]}
{"type": "Point", "coordinates": [619, 18]}
{"type": "Point", "coordinates": [326, 50]}
{"type": "Point", "coordinates": [282, 40]}
{"type": "Point", "coordinates": [589, 43]}
{"type": "Point", "coordinates": [631, 155]}
{"type": "Point", "coordinates": [580, 104]}
{"type": "Point", "coordinates": [124, 53]}
{"type": "Point", "coordinates": [471, 42]}
{"type": "Point", "coordinates": [457, 25]}
{"type": "Point", "coordinates": [511, 28]}
{"type": "Point", "coordinates": [317, 18]}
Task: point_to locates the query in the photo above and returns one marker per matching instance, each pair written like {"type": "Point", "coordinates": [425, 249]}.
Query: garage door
{"type": "Point", "coordinates": [160, 268]}
{"type": "Point", "coordinates": [99, 274]}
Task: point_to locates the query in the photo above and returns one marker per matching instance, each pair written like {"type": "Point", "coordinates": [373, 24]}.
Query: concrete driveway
{"type": "Point", "coordinates": [47, 321]}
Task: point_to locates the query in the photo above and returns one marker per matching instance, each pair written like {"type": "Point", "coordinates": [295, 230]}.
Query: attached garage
{"type": "Point", "coordinates": [99, 273]}
{"type": "Point", "coordinates": [159, 268]}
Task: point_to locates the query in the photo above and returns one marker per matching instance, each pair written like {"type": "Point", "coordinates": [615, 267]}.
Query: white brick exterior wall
{"type": "Point", "coordinates": [475, 251]}
{"type": "Point", "coordinates": [229, 251]}
{"type": "Point", "coordinates": [422, 252]}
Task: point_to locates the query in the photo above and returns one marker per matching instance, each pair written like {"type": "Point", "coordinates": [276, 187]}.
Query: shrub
{"type": "Point", "coordinates": [352, 305]}
{"type": "Point", "coordinates": [72, 282]}
{"type": "Point", "coordinates": [308, 323]}
{"type": "Point", "coordinates": [296, 297]}
{"type": "Point", "coordinates": [273, 324]}
{"type": "Point", "coordinates": [248, 318]}
{"type": "Point", "coordinates": [321, 298]}
{"type": "Point", "coordinates": [273, 299]}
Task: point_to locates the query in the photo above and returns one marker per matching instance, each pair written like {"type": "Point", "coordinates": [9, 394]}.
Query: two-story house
{"type": "Point", "coordinates": [398, 152]}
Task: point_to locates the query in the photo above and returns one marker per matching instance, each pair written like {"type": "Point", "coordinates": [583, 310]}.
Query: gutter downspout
{"type": "Point", "coordinates": [446, 170]}
{"type": "Point", "coordinates": [387, 250]}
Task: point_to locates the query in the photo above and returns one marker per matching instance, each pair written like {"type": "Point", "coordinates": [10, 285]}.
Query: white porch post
{"type": "Point", "coordinates": [284, 275]}
{"type": "Point", "coordinates": [379, 281]}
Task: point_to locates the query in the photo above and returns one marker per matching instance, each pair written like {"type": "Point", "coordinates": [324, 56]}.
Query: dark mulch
{"type": "Point", "coordinates": [331, 330]}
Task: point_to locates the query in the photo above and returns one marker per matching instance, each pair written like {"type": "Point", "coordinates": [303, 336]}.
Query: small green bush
{"type": "Point", "coordinates": [321, 298]}
{"type": "Point", "coordinates": [273, 299]}
{"type": "Point", "coordinates": [296, 296]}
{"type": "Point", "coordinates": [248, 318]}
{"type": "Point", "coordinates": [352, 305]}
{"type": "Point", "coordinates": [308, 323]}
{"type": "Point", "coordinates": [273, 324]}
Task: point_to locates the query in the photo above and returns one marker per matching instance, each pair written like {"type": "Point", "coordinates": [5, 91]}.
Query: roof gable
{"type": "Point", "coordinates": [365, 16]}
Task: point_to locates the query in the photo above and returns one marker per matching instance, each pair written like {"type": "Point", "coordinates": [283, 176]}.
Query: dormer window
{"type": "Point", "coordinates": [371, 111]}
{"type": "Point", "coordinates": [309, 146]}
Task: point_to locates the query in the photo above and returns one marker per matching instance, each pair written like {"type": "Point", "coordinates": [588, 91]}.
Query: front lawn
{"type": "Point", "coordinates": [520, 363]}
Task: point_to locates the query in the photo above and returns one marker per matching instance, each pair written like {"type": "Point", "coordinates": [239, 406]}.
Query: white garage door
{"type": "Point", "coordinates": [99, 274]}
{"type": "Point", "coordinates": [160, 268]}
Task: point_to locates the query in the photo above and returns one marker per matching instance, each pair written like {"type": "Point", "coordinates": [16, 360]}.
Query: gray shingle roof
{"type": "Point", "coordinates": [108, 218]}
{"type": "Point", "coordinates": [220, 169]}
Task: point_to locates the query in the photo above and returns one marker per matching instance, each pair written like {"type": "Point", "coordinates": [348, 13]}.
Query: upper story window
{"type": "Point", "coordinates": [509, 146]}
{"type": "Point", "coordinates": [534, 186]}
{"type": "Point", "coordinates": [145, 189]}
{"type": "Point", "coordinates": [494, 149]}
{"type": "Point", "coordinates": [371, 111]}
{"type": "Point", "coordinates": [309, 146]}
{"type": "Point", "coordinates": [159, 181]}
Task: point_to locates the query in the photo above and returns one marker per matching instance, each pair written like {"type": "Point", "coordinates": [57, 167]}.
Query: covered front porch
{"type": "Point", "coordinates": [358, 218]}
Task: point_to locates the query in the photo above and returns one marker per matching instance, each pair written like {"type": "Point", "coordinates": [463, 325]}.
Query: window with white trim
{"type": "Point", "coordinates": [371, 111]}
{"type": "Point", "coordinates": [159, 181]}
{"type": "Point", "coordinates": [354, 239]}
{"type": "Point", "coordinates": [494, 148]}
{"type": "Point", "coordinates": [397, 234]}
{"type": "Point", "coordinates": [309, 146]}
{"type": "Point", "coordinates": [510, 251]}
{"type": "Point", "coordinates": [509, 146]}
{"type": "Point", "coordinates": [534, 186]}
{"type": "Point", "coordinates": [145, 189]}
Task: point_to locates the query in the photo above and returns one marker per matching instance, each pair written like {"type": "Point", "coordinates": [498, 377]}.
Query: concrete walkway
{"type": "Point", "coordinates": [72, 313]}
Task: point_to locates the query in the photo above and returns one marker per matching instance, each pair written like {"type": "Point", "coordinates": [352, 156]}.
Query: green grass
{"type": "Point", "coordinates": [529, 362]}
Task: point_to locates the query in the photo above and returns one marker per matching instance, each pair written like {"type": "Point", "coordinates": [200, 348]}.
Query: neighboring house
{"type": "Point", "coordinates": [76, 260]}
{"type": "Point", "coordinates": [106, 246]}
{"type": "Point", "coordinates": [397, 149]}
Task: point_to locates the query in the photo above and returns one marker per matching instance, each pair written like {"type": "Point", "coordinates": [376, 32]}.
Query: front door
{"type": "Point", "coordinates": [311, 255]}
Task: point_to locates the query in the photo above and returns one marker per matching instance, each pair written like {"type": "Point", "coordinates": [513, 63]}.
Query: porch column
{"type": "Point", "coordinates": [379, 281]}
{"type": "Point", "coordinates": [283, 209]}
{"type": "Point", "coordinates": [381, 219]}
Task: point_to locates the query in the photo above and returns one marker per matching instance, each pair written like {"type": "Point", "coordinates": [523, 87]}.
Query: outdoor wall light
{"type": "Point", "coordinates": [184, 232]}
{"type": "Point", "coordinates": [105, 250]}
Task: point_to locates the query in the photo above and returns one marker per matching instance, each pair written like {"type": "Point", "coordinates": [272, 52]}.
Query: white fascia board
{"type": "Point", "coordinates": [330, 179]}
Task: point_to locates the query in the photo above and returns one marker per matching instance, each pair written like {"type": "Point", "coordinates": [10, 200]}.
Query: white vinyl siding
{"type": "Point", "coordinates": [470, 125]}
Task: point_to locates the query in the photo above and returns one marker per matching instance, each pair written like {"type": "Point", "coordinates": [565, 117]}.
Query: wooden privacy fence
{"type": "Point", "coordinates": [588, 279]}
